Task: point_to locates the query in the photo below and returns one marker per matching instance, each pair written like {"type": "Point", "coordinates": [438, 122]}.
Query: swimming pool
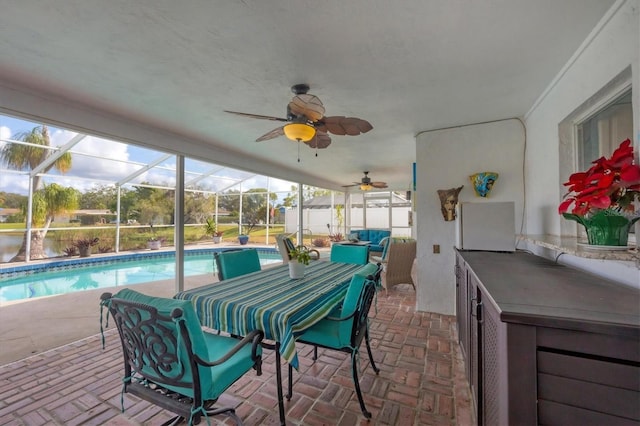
{"type": "Point", "coordinates": [67, 276]}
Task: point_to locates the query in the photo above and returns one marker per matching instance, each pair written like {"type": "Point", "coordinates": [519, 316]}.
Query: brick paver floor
{"type": "Point", "coordinates": [421, 381]}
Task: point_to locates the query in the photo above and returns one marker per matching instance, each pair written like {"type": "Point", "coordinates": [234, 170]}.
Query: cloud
{"type": "Point", "coordinates": [97, 161]}
{"type": "Point", "coordinates": [14, 183]}
{"type": "Point", "coordinates": [5, 132]}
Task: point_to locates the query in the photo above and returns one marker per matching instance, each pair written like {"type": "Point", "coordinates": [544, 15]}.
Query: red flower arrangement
{"type": "Point", "coordinates": [610, 184]}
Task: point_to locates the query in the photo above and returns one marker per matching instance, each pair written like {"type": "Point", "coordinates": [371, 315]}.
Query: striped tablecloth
{"type": "Point", "coordinates": [270, 301]}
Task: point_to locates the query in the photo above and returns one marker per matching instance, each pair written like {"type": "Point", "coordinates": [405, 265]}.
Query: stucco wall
{"type": "Point", "coordinates": [612, 48]}
{"type": "Point", "coordinates": [446, 159]}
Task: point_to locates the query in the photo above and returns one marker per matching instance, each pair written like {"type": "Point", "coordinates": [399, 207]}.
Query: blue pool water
{"type": "Point", "coordinates": [78, 274]}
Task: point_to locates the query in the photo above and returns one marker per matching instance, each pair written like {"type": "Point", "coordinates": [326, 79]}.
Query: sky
{"type": "Point", "coordinates": [98, 161]}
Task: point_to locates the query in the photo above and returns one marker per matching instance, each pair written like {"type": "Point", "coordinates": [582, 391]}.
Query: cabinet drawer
{"type": "Point", "coordinates": [585, 386]}
{"type": "Point", "coordinates": [610, 373]}
{"type": "Point", "coordinates": [551, 414]}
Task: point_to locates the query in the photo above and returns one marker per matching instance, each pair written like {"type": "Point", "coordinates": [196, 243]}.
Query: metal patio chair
{"type": "Point", "coordinates": [347, 326]}
{"type": "Point", "coordinates": [234, 263]}
{"type": "Point", "coordinates": [349, 254]}
{"type": "Point", "coordinates": [170, 362]}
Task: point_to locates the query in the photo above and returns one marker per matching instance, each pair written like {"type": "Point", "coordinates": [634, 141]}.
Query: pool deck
{"type": "Point", "coordinates": [33, 326]}
{"type": "Point", "coordinates": [50, 348]}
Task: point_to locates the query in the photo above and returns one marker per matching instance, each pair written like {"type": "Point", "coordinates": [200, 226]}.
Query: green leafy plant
{"type": "Point", "coordinates": [334, 237]}
{"type": "Point", "coordinates": [211, 228]}
{"type": "Point", "coordinates": [70, 251]}
{"type": "Point", "coordinates": [300, 254]}
{"type": "Point", "coordinates": [86, 242]}
{"type": "Point", "coordinates": [154, 237]}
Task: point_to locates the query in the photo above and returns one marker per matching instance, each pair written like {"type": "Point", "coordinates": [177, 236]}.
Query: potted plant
{"type": "Point", "coordinates": [243, 238]}
{"type": "Point", "coordinates": [154, 242]}
{"type": "Point", "coordinates": [334, 237]}
{"type": "Point", "coordinates": [299, 258]}
{"type": "Point", "coordinates": [84, 245]}
{"type": "Point", "coordinates": [211, 228]}
{"type": "Point", "coordinates": [603, 196]}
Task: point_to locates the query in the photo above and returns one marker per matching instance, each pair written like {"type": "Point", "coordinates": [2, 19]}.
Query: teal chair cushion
{"type": "Point", "coordinates": [224, 375]}
{"type": "Point", "coordinates": [213, 380]}
{"type": "Point", "coordinates": [337, 334]}
{"type": "Point", "coordinates": [236, 263]}
{"type": "Point", "coordinates": [349, 254]}
{"type": "Point", "coordinates": [355, 288]}
{"type": "Point", "coordinates": [165, 307]}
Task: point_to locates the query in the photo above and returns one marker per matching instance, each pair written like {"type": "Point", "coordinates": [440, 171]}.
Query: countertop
{"type": "Point", "coordinates": [533, 290]}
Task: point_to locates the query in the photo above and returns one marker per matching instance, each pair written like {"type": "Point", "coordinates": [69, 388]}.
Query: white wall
{"type": "Point", "coordinates": [612, 47]}
{"type": "Point", "coordinates": [496, 147]}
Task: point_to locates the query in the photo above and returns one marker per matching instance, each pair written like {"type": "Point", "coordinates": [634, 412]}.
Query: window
{"type": "Point", "coordinates": [592, 130]}
{"type": "Point", "coordinates": [603, 131]}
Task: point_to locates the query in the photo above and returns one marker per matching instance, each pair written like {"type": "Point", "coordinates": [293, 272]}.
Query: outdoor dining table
{"type": "Point", "coordinates": [271, 301]}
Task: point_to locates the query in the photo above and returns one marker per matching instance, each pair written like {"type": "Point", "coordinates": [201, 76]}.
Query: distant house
{"type": "Point", "coordinates": [89, 216]}
{"type": "Point", "coordinates": [6, 213]}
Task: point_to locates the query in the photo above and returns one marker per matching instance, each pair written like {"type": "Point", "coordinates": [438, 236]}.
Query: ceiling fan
{"type": "Point", "coordinates": [366, 184]}
{"type": "Point", "coordinates": [306, 121]}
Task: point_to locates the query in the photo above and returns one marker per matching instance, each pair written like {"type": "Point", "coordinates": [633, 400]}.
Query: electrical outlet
{"type": "Point", "coordinates": [436, 248]}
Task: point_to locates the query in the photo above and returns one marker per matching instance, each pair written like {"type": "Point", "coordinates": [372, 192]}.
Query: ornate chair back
{"type": "Point", "coordinates": [166, 354]}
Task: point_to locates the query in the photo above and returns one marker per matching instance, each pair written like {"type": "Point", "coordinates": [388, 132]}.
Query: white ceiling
{"type": "Point", "coordinates": [405, 66]}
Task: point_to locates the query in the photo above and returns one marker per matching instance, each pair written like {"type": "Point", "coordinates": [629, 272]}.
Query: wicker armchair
{"type": "Point", "coordinates": [397, 265]}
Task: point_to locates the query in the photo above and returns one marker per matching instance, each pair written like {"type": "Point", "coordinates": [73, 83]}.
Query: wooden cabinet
{"type": "Point", "coordinates": [547, 344]}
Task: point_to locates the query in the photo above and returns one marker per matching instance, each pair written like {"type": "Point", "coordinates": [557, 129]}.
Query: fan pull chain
{"type": "Point", "coordinates": [298, 150]}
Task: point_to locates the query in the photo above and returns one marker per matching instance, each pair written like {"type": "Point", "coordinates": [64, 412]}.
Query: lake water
{"type": "Point", "coordinates": [10, 244]}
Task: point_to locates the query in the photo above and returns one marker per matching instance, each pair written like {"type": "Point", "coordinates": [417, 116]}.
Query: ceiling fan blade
{"type": "Point", "coordinates": [320, 141]}
{"type": "Point", "coordinates": [271, 135]}
{"type": "Point", "coordinates": [308, 105]}
{"type": "Point", "coordinates": [341, 125]}
{"type": "Point", "coordinates": [379, 185]}
{"type": "Point", "coordinates": [261, 117]}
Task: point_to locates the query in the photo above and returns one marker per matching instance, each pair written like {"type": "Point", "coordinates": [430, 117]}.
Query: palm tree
{"type": "Point", "coordinates": [46, 204]}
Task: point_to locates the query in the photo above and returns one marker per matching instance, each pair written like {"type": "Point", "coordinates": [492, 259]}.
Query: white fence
{"type": "Point", "coordinates": [316, 220]}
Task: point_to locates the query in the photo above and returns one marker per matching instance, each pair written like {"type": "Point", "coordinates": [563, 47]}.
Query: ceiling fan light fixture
{"type": "Point", "coordinates": [299, 132]}
{"type": "Point", "coordinates": [365, 187]}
